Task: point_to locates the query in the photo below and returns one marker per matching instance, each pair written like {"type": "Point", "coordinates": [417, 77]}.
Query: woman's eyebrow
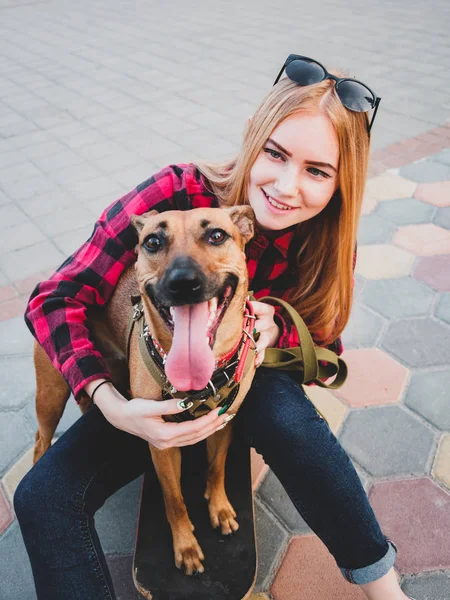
{"type": "Point", "coordinates": [309, 162]}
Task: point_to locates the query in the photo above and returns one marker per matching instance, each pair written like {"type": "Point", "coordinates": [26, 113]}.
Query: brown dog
{"type": "Point", "coordinates": [191, 275]}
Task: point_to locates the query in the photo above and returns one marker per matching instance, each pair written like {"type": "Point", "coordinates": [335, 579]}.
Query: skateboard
{"type": "Point", "coordinates": [230, 561]}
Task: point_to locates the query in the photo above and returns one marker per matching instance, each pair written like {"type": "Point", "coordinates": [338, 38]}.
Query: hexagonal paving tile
{"type": "Point", "coordinates": [442, 157]}
{"type": "Point", "coordinates": [428, 395]}
{"type": "Point", "coordinates": [418, 342]}
{"type": "Point", "coordinates": [405, 211]}
{"type": "Point", "coordinates": [389, 187]}
{"type": "Point", "coordinates": [434, 271]}
{"type": "Point", "coordinates": [363, 328]}
{"type": "Point", "coordinates": [271, 540]}
{"type": "Point", "coordinates": [425, 171]}
{"type": "Point", "coordinates": [18, 381]}
{"type": "Point", "coordinates": [328, 406]}
{"type": "Point", "coordinates": [17, 472]}
{"type": "Point", "coordinates": [371, 436]}
{"type": "Point", "coordinates": [423, 240]}
{"type": "Point", "coordinates": [373, 229]}
{"type": "Point", "coordinates": [437, 194]}
{"type": "Point", "coordinates": [396, 298]}
{"type": "Point", "coordinates": [374, 378]}
{"type": "Point", "coordinates": [358, 286]}
{"type": "Point", "coordinates": [430, 586]}
{"type": "Point", "coordinates": [309, 572]}
{"type": "Point", "coordinates": [368, 206]}
{"type": "Point", "coordinates": [16, 578]}
{"type": "Point", "coordinates": [442, 218]}
{"type": "Point", "coordinates": [415, 514]}
{"type": "Point", "coordinates": [441, 467]}
{"type": "Point", "coordinates": [16, 436]}
{"type": "Point", "coordinates": [383, 261]}
{"type": "Point", "coordinates": [442, 310]}
{"type": "Point", "coordinates": [6, 513]}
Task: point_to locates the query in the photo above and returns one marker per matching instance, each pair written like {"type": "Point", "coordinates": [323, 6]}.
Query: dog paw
{"type": "Point", "coordinates": [223, 515]}
{"type": "Point", "coordinates": [189, 556]}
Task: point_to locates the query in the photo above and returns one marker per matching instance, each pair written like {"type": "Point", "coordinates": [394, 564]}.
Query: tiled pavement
{"type": "Point", "coordinates": [92, 101]}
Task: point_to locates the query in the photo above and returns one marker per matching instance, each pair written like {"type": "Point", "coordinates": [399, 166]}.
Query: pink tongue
{"type": "Point", "coordinates": [190, 362]}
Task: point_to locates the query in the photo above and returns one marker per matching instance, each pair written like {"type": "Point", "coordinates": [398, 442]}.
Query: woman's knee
{"type": "Point", "coordinates": [31, 495]}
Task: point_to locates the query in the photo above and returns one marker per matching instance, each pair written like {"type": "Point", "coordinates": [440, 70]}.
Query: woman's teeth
{"type": "Point", "coordinates": [276, 204]}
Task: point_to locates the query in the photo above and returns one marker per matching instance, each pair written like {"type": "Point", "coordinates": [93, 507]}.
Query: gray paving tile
{"type": "Point", "coordinates": [359, 285]}
{"type": "Point", "coordinates": [66, 220]}
{"type": "Point", "coordinates": [271, 540]}
{"type": "Point", "coordinates": [428, 586]}
{"type": "Point", "coordinates": [398, 298]}
{"type": "Point", "coordinates": [16, 435]}
{"type": "Point", "coordinates": [16, 578]}
{"type": "Point", "coordinates": [442, 157]}
{"type": "Point", "coordinates": [418, 342]}
{"type": "Point", "coordinates": [27, 261]}
{"type": "Point", "coordinates": [70, 241]}
{"type": "Point", "coordinates": [363, 328]}
{"type": "Point", "coordinates": [373, 229]}
{"type": "Point", "coordinates": [442, 310]}
{"type": "Point", "coordinates": [272, 493]}
{"type": "Point", "coordinates": [15, 338]}
{"type": "Point", "coordinates": [371, 437]}
{"type": "Point", "coordinates": [10, 215]}
{"type": "Point", "coordinates": [426, 171]}
{"type": "Point", "coordinates": [442, 217]}
{"type": "Point", "coordinates": [428, 395]}
{"type": "Point", "coordinates": [405, 211]}
{"type": "Point", "coordinates": [20, 236]}
{"type": "Point", "coordinates": [18, 382]}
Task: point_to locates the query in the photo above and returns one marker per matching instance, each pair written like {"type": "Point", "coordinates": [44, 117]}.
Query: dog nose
{"type": "Point", "coordinates": [184, 281]}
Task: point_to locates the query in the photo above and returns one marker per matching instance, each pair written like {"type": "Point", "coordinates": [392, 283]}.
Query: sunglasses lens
{"type": "Point", "coordinates": [304, 72]}
{"type": "Point", "coordinates": [355, 95]}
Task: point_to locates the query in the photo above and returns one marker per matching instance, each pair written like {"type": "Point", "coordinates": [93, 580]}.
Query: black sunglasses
{"type": "Point", "coordinates": [353, 94]}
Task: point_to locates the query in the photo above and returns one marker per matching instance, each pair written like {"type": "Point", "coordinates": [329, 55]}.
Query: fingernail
{"type": "Point", "coordinates": [229, 417]}
{"type": "Point", "coordinates": [221, 427]}
{"type": "Point", "coordinates": [184, 404]}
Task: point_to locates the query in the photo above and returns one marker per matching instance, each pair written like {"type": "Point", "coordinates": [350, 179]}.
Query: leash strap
{"type": "Point", "coordinates": [309, 362]}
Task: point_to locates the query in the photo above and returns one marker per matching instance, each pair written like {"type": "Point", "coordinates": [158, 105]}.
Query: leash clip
{"type": "Point", "coordinates": [138, 311]}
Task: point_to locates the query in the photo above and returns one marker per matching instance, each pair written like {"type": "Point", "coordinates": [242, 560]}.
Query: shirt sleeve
{"type": "Point", "coordinates": [56, 313]}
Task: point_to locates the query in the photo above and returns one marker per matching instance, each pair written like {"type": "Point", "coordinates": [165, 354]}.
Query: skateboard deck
{"type": "Point", "coordinates": [230, 561]}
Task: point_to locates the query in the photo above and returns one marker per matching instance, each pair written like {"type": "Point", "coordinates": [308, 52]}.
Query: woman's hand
{"type": "Point", "coordinates": [267, 328]}
{"type": "Point", "coordinates": [143, 418]}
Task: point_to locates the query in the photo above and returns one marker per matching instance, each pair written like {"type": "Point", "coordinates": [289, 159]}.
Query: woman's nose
{"type": "Point", "coordinates": [287, 184]}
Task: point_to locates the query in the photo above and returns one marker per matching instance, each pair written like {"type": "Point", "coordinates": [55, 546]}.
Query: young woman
{"type": "Point", "coordinates": [302, 168]}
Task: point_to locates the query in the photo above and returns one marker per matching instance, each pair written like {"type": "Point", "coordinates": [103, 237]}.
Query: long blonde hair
{"type": "Point", "coordinates": [325, 244]}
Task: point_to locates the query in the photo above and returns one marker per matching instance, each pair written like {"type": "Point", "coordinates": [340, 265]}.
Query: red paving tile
{"type": "Point", "coordinates": [27, 285]}
{"type": "Point", "coordinates": [6, 514]}
{"type": "Point", "coordinates": [383, 383]}
{"type": "Point", "coordinates": [434, 271]}
{"type": "Point", "coordinates": [7, 293]}
{"type": "Point", "coordinates": [425, 239]}
{"type": "Point", "coordinates": [309, 572]}
{"type": "Point", "coordinates": [437, 193]}
{"type": "Point", "coordinates": [12, 308]}
{"type": "Point", "coordinates": [415, 514]}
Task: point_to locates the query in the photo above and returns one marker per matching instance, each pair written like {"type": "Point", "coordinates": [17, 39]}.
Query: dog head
{"type": "Point", "coordinates": [192, 274]}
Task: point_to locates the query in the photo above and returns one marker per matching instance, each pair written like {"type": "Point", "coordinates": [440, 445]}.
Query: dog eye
{"type": "Point", "coordinates": [217, 237]}
{"type": "Point", "coordinates": [152, 243]}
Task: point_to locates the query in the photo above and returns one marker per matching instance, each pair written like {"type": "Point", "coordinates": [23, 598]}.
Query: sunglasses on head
{"type": "Point", "coordinates": [353, 94]}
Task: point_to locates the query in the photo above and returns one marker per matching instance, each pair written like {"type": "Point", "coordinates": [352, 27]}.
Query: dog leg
{"type": "Point", "coordinates": [221, 512]}
{"type": "Point", "coordinates": [186, 548]}
{"type": "Point", "coordinates": [52, 393]}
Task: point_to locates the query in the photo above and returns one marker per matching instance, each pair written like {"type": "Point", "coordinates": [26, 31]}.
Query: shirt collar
{"type": "Point", "coordinates": [281, 240]}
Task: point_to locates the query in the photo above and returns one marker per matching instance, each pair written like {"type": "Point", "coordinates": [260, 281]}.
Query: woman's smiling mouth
{"type": "Point", "coordinates": [276, 204]}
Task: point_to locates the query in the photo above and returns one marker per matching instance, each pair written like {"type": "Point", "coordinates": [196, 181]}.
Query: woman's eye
{"type": "Point", "coordinates": [217, 237]}
{"type": "Point", "coordinates": [318, 172]}
{"type": "Point", "coordinates": [153, 243]}
{"type": "Point", "coordinates": [274, 153]}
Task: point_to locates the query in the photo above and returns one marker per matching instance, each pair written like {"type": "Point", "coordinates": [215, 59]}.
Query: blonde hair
{"type": "Point", "coordinates": [325, 244]}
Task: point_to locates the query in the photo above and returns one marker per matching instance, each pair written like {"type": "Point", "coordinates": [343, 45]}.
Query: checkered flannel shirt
{"type": "Point", "coordinates": [57, 309]}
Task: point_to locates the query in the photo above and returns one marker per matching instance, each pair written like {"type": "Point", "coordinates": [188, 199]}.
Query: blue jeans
{"type": "Point", "coordinates": [56, 501]}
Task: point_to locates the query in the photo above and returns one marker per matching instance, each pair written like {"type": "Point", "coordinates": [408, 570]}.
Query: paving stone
{"type": "Point", "coordinates": [363, 328]}
{"type": "Point", "coordinates": [16, 578]}
{"type": "Point", "coordinates": [121, 568]}
{"type": "Point", "coordinates": [442, 218]}
{"type": "Point", "coordinates": [443, 157]}
{"type": "Point", "coordinates": [16, 435]}
{"type": "Point", "coordinates": [374, 378]}
{"type": "Point", "coordinates": [271, 539]}
{"type": "Point", "coordinates": [383, 261]}
{"type": "Point", "coordinates": [373, 229]}
{"type": "Point", "coordinates": [26, 261]}
{"type": "Point", "coordinates": [15, 338]}
{"type": "Point", "coordinates": [426, 171]}
{"type": "Point", "coordinates": [428, 586]}
{"type": "Point", "coordinates": [20, 236]}
{"type": "Point", "coordinates": [6, 513]}
{"type": "Point", "coordinates": [369, 205]}
{"type": "Point", "coordinates": [17, 472]}
{"type": "Point", "coordinates": [418, 342]}
{"type": "Point", "coordinates": [389, 187]}
{"type": "Point", "coordinates": [371, 437]}
{"type": "Point", "coordinates": [406, 211]}
{"type": "Point", "coordinates": [437, 194]}
{"type": "Point", "coordinates": [116, 520]}
{"type": "Point", "coordinates": [415, 514]}
{"type": "Point", "coordinates": [272, 493]}
{"type": "Point", "coordinates": [441, 467]}
{"type": "Point", "coordinates": [428, 395]}
{"type": "Point", "coordinates": [397, 298]}
{"type": "Point", "coordinates": [18, 381]}
{"type": "Point", "coordinates": [259, 468]}
{"type": "Point", "coordinates": [330, 407]}
{"type": "Point", "coordinates": [10, 215]}
{"type": "Point", "coordinates": [309, 572]}
{"type": "Point", "coordinates": [434, 271]}
{"type": "Point", "coordinates": [442, 310]}
{"type": "Point", "coordinates": [358, 287]}
{"type": "Point", "coordinates": [423, 240]}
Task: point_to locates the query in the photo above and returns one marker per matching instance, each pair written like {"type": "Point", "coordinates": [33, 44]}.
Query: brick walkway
{"type": "Point", "coordinates": [95, 97]}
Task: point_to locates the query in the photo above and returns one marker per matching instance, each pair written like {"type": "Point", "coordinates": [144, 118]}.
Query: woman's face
{"type": "Point", "coordinates": [295, 175]}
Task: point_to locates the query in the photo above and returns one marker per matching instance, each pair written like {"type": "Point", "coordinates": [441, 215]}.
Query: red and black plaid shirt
{"type": "Point", "coordinates": [57, 310]}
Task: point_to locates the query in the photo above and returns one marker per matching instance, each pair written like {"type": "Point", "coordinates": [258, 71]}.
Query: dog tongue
{"type": "Point", "coordinates": [190, 362]}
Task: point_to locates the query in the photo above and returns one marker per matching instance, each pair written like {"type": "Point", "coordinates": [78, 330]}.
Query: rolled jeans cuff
{"type": "Point", "coordinates": [374, 571]}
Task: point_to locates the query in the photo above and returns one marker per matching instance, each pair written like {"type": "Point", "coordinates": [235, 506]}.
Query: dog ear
{"type": "Point", "coordinates": [138, 221]}
{"type": "Point", "coordinates": [244, 218]}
